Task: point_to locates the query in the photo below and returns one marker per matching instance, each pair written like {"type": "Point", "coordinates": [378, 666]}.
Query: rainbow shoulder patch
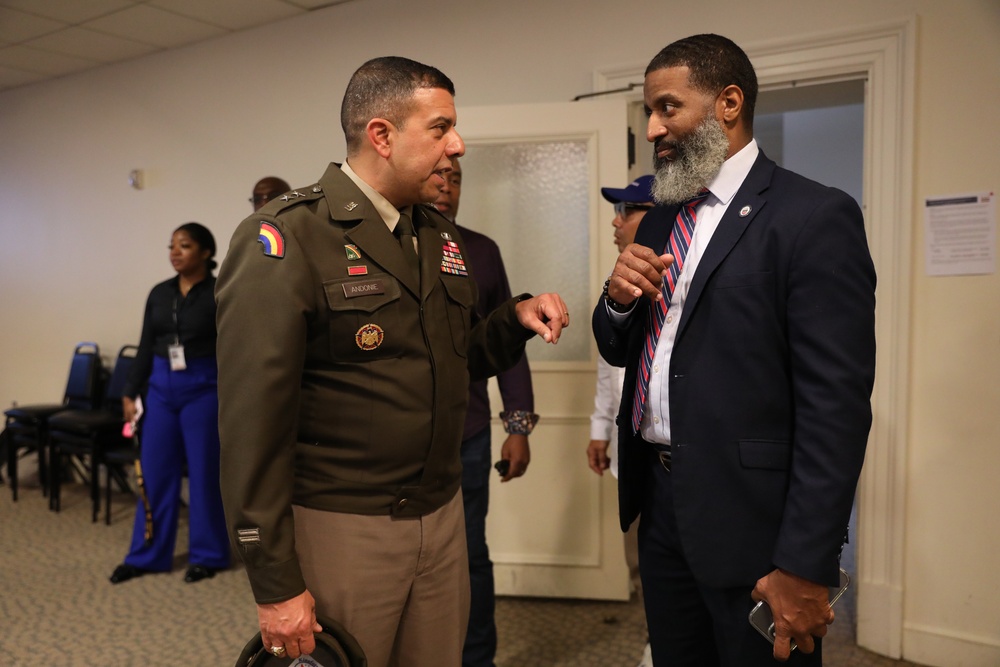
{"type": "Point", "coordinates": [272, 240]}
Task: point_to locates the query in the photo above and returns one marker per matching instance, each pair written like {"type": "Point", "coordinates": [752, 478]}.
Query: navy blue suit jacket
{"type": "Point", "coordinates": [770, 381]}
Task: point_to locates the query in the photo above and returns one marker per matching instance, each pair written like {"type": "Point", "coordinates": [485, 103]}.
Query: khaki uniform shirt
{"type": "Point", "coordinates": [343, 379]}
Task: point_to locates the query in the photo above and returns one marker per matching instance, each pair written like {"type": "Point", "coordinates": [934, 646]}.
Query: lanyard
{"type": "Point", "coordinates": [177, 329]}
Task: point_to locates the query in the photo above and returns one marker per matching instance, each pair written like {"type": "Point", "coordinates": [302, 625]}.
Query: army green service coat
{"type": "Point", "coordinates": [342, 380]}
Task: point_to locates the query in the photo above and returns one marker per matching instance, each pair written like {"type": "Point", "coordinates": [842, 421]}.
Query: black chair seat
{"type": "Point", "coordinates": [33, 413]}
{"type": "Point", "coordinates": [84, 422]}
{"type": "Point", "coordinates": [26, 426]}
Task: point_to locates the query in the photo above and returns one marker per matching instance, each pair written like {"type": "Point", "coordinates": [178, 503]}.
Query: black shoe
{"type": "Point", "coordinates": [198, 572]}
{"type": "Point", "coordinates": [124, 572]}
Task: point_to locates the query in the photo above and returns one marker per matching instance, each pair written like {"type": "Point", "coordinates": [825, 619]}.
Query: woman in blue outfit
{"type": "Point", "coordinates": [176, 360]}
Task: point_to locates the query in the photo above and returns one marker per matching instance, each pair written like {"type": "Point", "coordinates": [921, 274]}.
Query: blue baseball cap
{"type": "Point", "coordinates": [639, 191]}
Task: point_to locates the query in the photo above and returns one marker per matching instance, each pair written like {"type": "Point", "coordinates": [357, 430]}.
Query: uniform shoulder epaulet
{"type": "Point", "coordinates": [295, 197]}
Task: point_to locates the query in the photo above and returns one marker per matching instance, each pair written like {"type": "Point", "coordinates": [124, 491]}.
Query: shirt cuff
{"type": "Point", "coordinates": [519, 422]}
{"type": "Point", "coordinates": [620, 318]}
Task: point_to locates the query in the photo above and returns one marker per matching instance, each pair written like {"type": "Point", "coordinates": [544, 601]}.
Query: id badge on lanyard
{"type": "Point", "coordinates": [176, 350]}
{"type": "Point", "coordinates": [176, 354]}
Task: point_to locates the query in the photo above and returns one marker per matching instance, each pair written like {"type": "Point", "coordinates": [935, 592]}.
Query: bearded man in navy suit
{"type": "Point", "coordinates": [742, 435]}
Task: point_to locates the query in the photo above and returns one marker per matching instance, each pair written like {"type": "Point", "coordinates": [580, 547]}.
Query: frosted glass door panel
{"type": "Point", "coordinates": [531, 181]}
{"type": "Point", "coordinates": [532, 199]}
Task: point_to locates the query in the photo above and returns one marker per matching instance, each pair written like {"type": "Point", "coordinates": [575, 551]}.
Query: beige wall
{"type": "Point", "coordinates": [205, 122]}
{"type": "Point", "coordinates": [952, 583]}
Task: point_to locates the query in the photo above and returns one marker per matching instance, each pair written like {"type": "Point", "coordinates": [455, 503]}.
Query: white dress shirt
{"type": "Point", "coordinates": [655, 425]}
{"type": "Point", "coordinates": [386, 210]}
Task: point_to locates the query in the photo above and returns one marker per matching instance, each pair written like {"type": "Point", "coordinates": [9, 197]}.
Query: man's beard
{"type": "Point", "coordinates": [699, 156]}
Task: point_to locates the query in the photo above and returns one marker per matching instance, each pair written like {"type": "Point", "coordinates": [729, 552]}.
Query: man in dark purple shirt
{"type": "Point", "coordinates": [486, 267]}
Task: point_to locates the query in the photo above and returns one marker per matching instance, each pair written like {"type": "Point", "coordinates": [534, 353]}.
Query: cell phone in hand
{"type": "Point", "coordinates": [502, 466]}
{"type": "Point", "coordinates": [763, 621]}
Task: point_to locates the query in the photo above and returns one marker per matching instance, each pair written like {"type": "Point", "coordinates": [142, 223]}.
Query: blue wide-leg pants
{"type": "Point", "coordinates": [181, 426]}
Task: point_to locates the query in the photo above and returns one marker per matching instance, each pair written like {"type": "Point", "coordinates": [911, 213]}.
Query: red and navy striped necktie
{"type": "Point", "coordinates": [677, 245]}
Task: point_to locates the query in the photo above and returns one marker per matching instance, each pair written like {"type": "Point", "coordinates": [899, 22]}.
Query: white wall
{"type": "Point", "coordinates": [205, 122]}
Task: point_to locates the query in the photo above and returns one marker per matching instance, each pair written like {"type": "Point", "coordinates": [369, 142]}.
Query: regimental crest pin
{"type": "Point", "coordinates": [369, 337]}
{"type": "Point", "coordinates": [272, 240]}
{"type": "Point", "coordinates": [745, 211]}
{"type": "Point", "coordinates": [352, 251]}
{"type": "Point", "coordinates": [446, 236]}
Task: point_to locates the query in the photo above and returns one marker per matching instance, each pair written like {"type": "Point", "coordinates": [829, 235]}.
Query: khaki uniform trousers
{"type": "Point", "coordinates": [399, 586]}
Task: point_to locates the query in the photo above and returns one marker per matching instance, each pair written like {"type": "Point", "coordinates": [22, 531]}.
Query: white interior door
{"type": "Point", "coordinates": [531, 181]}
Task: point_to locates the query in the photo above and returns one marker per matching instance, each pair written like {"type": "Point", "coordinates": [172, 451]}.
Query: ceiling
{"type": "Point", "coordinates": [45, 39]}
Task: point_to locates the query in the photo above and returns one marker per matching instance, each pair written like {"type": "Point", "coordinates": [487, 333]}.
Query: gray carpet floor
{"type": "Point", "coordinates": [58, 608]}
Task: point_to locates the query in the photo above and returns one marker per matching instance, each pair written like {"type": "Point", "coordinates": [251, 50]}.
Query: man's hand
{"type": "Point", "coordinates": [597, 456]}
{"type": "Point", "coordinates": [290, 625]}
{"type": "Point", "coordinates": [516, 450]}
{"type": "Point", "coordinates": [638, 271]}
{"type": "Point", "coordinates": [801, 610]}
{"type": "Point", "coordinates": [545, 314]}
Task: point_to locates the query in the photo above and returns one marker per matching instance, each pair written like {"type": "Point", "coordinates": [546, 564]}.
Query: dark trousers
{"type": "Point", "coordinates": [690, 624]}
{"type": "Point", "coordinates": [481, 638]}
{"type": "Point", "coordinates": [181, 425]}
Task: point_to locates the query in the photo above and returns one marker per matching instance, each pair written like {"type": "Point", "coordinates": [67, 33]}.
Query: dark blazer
{"type": "Point", "coordinates": [770, 381]}
{"type": "Point", "coordinates": [342, 379]}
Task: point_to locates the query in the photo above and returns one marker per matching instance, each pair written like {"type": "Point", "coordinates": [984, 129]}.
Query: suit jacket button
{"type": "Point", "coordinates": [402, 503]}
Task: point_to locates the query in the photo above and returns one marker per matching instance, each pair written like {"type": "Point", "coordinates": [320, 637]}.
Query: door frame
{"type": "Point", "coordinates": [884, 55]}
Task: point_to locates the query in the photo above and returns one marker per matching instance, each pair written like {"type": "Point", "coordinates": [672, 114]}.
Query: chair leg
{"type": "Point", "coordinates": [12, 467]}
{"type": "Point", "coordinates": [45, 469]}
{"type": "Point", "coordinates": [55, 493]}
{"type": "Point", "coordinates": [107, 494]}
{"type": "Point", "coordinates": [95, 489]}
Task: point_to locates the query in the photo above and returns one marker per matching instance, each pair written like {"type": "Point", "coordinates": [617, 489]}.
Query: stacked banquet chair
{"type": "Point", "coordinates": [115, 458]}
{"type": "Point", "coordinates": [27, 427]}
{"type": "Point", "coordinates": [86, 434]}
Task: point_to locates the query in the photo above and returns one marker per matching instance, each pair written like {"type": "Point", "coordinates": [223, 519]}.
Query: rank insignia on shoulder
{"type": "Point", "coordinates": [369, 337]}
{"type": "Point", "coordinates": [272, 240]}
{"type": "Point", "coordinates": [352, 251]}
{"type": "Point", "coordinates": [295, 194]}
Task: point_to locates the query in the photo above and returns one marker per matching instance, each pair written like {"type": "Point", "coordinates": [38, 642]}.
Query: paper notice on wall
{"type": "Point", "coordinates": [961, 234]}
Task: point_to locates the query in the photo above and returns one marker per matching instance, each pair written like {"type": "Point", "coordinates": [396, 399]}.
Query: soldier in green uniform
{"type": "Point", "coordinates": [346, 343]}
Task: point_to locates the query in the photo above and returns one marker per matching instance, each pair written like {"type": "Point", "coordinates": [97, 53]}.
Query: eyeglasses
{"type": "Point", "coordinates": [624, 208]}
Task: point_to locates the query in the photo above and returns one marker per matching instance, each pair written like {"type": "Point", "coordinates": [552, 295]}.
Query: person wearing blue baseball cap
{"type": "Point", "coordinates": [631, 204]}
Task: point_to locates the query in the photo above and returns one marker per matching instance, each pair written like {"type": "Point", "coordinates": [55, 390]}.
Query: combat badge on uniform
{"type": "Point", "coordinates": [452, 261]}
{"type": "Point", "coordinates": [369, 337]}
{"type": "Point", "coordinates": [272, 240]}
